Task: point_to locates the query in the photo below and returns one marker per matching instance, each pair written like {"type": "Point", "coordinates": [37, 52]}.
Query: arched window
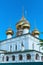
{"type": "Point", "coordinates": [20, 57]}
{"type": "Point", "coordinates": [28, 56]}
{"type": "Point", "coordinates": [13, 57]}
{"type": "Point", "coordinates": [7, 58]}
{"type": "Point", "coordinates": [42, 58]}
{"type": "Point", "coordinates": [37, 56]}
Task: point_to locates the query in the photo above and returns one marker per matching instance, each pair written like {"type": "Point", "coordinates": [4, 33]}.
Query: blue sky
{"type": "Point", "coordinates": [11, 13]}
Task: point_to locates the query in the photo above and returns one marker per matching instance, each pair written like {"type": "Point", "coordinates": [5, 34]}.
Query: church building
{"type": "Point", "coordinates": [24, 47]}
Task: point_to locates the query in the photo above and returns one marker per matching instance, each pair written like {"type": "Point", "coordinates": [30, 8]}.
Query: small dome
{"type": "Point", "coordinates": [35, 32]}
{"type": "Point", "coordinates": [9, 31]}
{"type": "Point", "coordinates": [21, 22]}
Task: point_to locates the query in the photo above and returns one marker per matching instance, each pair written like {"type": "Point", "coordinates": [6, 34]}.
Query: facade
{"type": "Point", "coordinates": [24, 47]}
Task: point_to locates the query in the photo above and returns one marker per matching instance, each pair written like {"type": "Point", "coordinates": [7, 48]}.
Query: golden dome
{"type": "Point", "coordinates": [26, 25]}
{"type": "Point", "coordinates": [9, 31]}
{"type": "Point", "coordinates": [35, 32]}
{"type": "Point", "coordinates": [21, 22]}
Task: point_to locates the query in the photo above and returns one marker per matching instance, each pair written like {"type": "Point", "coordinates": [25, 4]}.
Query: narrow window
{"type": "Point", "coordinates": [37, 57]}
{"type": "Point", "coordinates": [15, 47]}
{"type": "Point", "coordinates": [22, 44]}
{"type": "Point", "coordinates": [13, 57]}
{"type": "Point", "coordinates": [10, 48]}
{"type": "Point", "coordinates": [20, 57]}
{"type": "Point", "coordinates": [28, 56]}
{"type": "Point", "coordinates": [7, 58]}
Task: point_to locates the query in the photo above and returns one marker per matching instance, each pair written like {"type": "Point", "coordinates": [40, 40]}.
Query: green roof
{"type": "Point", "coordinates": [15, 52]}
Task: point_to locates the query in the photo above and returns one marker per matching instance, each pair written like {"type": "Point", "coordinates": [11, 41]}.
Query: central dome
{"type": "Point", "coordinates": [22, 22]}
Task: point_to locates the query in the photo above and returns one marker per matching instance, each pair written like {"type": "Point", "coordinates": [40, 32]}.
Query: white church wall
{"type": "Point", "coordinates": [33, 42]}
{"type": "Point", "coordinates": [27, 40]}
{"type": "Point", "coordinates": [24, 57]}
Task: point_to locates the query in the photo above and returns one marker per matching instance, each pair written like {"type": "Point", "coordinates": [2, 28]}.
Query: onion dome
{"type": "Point", "coordinates": [35, 32]}
{"type": "Point", "coordinates": [9, 31]}
{"type": "Point", "coordinates": [21, 22]}
{"type": "Point", "coordinates": [26, 25]}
